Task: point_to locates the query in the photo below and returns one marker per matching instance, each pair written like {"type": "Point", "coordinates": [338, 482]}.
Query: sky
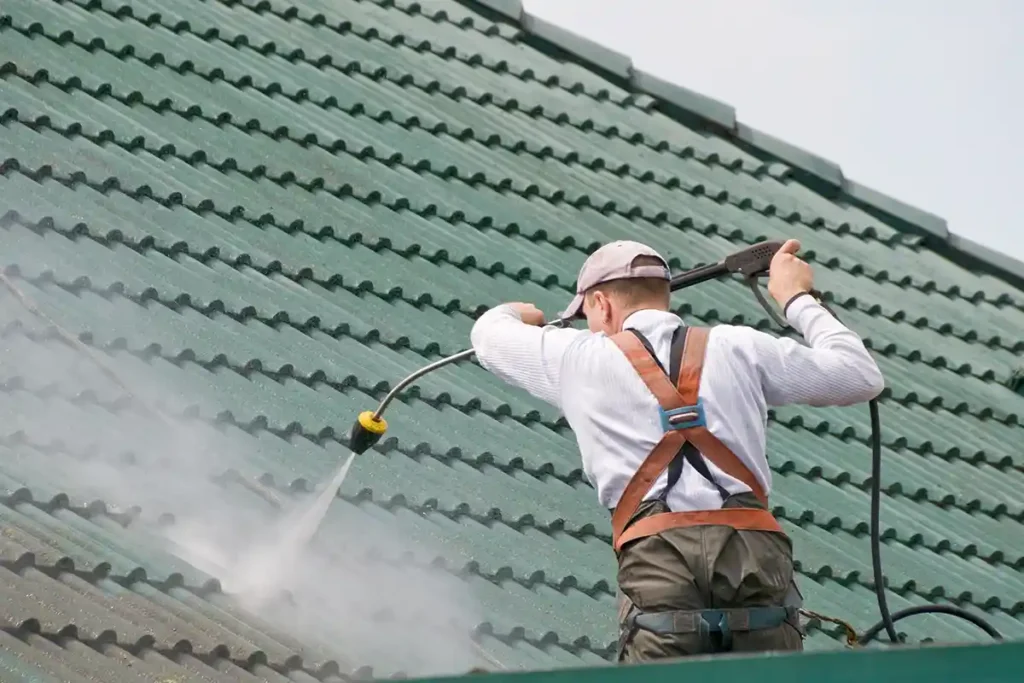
{"type": "Point", "coordinates": [917, 99]}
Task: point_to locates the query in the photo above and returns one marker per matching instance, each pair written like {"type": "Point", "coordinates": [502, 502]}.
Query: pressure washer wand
{"type": "Point", "coordinates": [371, 425]}
{"type": "Point", "coordinates": [750, 262]}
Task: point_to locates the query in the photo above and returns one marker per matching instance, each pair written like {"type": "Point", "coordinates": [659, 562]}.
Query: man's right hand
{"type": "Point", "coordinates": [788, 275]}
{"type": "Point", "coordinates": [528, 313]}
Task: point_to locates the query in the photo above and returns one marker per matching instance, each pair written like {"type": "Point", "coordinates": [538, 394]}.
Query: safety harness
{"type": "Point", "coordinates": [687, 439]}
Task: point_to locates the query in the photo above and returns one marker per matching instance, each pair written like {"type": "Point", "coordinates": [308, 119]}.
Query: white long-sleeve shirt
{"type": "Point", "coordinates": [615, 417]}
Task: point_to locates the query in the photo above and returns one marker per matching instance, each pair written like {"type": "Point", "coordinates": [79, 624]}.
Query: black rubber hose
{"type": "Point", "coordinates": [876, 509]}
{"type": "Point", "coordinates": [888, 620]}
{"type": "Point", "coordinates": [870, 634]}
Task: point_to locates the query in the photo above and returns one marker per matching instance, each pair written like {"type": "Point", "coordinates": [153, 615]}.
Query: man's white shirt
{"type": "Point", "coordinates": [615, 417]}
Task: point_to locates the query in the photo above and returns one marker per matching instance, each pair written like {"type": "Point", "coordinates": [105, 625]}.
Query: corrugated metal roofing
{"type": "Point", "coordinates": [262, 214]}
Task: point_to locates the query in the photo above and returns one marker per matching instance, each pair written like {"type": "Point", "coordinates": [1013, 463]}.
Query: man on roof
{"type": "Point", "coordinates": [671, 425]}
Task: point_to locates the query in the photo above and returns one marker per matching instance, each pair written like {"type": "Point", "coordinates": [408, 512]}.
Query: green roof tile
{"type": "Point", "coordinates": [262, 214]}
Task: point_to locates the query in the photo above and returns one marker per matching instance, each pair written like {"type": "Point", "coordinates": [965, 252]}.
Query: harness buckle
{"type": "Point", "coordinates": [715, 627]}
{"type": "Point", "coordinates": [682, 418]}
{"type": "Point", "coordinates": [714, 622]}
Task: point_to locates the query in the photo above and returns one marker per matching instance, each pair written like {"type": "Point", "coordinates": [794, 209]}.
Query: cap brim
{"type": "Point", "coordinates": [574, 309]}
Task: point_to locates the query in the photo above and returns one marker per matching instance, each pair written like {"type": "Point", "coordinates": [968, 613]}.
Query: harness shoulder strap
{"type": "Point", "coordinates": [707, 443]}
{"type": "Point", "coordinates": [688, 452]}
{"type": "Point", "coordinates": [683, 419]}
{"type": "Point", "coordinates": [649, 369]}
{"type": "Point", "coordinates": [671, 442]}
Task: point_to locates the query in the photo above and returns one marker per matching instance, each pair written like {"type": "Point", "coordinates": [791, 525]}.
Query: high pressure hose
{"type": "Point", "coordinates": [888, 620]}
{"type": "Point", "coordinates": [751, 263]}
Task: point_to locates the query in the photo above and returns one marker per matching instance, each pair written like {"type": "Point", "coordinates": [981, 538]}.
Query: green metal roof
{"type": "Point", "coordinates": [262, 213]}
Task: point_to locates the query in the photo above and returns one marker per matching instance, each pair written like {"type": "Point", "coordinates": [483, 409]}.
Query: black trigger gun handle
{"type": "Point", "coordinates": [754, 262]}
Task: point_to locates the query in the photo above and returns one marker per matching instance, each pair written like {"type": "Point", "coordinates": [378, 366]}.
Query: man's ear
{"type": "Point", "coordinates": [603, 304]}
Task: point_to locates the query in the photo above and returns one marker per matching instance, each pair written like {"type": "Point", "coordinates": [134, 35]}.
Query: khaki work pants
{"type": "Point", "coordinates": [695, 568]}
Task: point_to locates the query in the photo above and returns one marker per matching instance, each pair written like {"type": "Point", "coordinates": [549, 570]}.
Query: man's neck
{"type": "Point", "coordinates": [627, 315]}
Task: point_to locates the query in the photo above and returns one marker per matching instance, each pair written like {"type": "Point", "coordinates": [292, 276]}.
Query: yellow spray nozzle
{"type": "Point", "coordinates": [377, 425]}
{"type": "Point", "coordinates": [366, 431]}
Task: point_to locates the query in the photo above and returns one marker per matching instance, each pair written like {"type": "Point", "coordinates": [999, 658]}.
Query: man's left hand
{"type": "Point", "coordinates": [530, 314]}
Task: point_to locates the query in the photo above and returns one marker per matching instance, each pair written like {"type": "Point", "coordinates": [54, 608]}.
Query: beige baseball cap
{"type": "Point", "coordinates": [614, 261]}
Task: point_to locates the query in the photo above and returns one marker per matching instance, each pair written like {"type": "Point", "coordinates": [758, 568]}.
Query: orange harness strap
{"type": "Point", "coordinates": [680, 405]}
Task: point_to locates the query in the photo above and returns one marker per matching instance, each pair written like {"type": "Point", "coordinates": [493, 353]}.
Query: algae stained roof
{"type": "Point", "coordinates": [261, 213]}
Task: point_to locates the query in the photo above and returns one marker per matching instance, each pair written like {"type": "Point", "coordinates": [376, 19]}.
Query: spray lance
{"type": "Point", "coordinates": [750, 263]}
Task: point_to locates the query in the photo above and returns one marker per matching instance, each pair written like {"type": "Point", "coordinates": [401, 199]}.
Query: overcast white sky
{"type": "Point", "coordinates": [919, 99]}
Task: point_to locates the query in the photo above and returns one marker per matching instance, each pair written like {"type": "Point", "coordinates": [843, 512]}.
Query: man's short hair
{"type": "Point", "coordinates": [636, 291]}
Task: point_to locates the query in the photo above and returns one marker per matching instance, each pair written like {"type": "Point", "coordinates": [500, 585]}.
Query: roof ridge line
{"type": "Point", "coordinates": [811, 170]}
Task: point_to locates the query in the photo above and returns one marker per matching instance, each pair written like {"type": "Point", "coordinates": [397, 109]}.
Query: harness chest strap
{"type": "Point", "coordinates": [683, 420]}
